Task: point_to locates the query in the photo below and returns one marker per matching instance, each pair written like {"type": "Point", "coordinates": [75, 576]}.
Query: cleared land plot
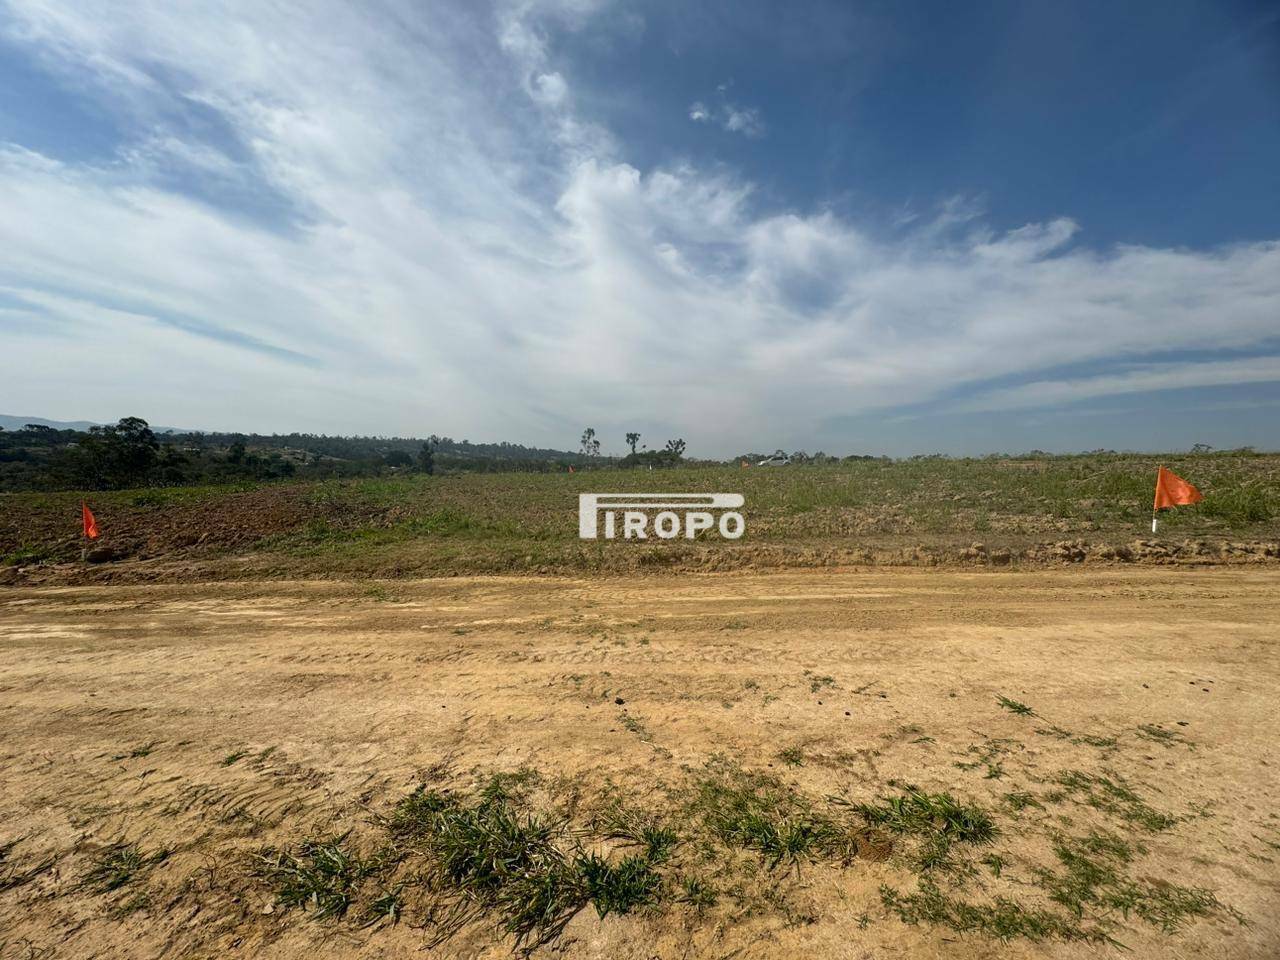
{"type": "Point", "coordinates": [847, 764]}
{"type": "Point", "coordinates": [978, 512]}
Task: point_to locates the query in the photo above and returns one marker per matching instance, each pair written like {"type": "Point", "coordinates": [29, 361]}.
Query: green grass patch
{"type": "Point", "coordinates": [1092, 878]}
{"type": "Point", "coordinates": [505, 854]}
{"type": "Point", "coordinates": [757, 812]}
{"type": "Point", "coordinates": [937, 821]}
{"type": "Point", "coordinates": [1001, 918]}
{"type": "Point", "coordinates": [1111, 794]}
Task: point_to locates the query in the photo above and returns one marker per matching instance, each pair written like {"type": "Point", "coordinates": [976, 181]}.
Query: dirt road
{"type": "Point", "coordinates": [166, 736]}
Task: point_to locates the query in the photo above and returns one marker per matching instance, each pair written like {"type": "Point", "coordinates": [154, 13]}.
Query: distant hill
{"type": "Point", "coordinates": [17, 423]}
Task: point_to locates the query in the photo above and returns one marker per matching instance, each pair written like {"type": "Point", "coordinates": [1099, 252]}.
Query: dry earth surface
{"type": "Point", "coordinates": [168, 749]}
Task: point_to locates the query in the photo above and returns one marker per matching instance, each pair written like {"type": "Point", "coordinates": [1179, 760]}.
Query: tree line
{"type": "Point", "coordinates": [130, 454]}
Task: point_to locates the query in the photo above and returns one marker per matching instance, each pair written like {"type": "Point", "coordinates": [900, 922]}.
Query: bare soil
{"type": "Point", "coordinates": [205, 722]}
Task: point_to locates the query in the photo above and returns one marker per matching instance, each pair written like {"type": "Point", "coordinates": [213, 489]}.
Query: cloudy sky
{"type": "Point", "coordinates": [882, 227]}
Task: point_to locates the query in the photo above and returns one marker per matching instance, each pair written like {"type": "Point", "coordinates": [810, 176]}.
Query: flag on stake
{"type": "Point", "coordinates": [90, 521]}
{"type": "Point", "coordinates": [1172, 491]}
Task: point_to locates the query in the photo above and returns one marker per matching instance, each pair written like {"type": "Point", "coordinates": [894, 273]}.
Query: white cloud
{"type": "Point", "coordinates": [728, 116]}
{"type": "Point", "coordinates": [744, 120]}
{"type": "Point", "coordinates": [550, 89]}
{"type": "Point", "coordinates": [469, 254]}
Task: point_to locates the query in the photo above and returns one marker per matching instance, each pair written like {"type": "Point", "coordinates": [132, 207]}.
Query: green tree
{"type": "Point", "coordinates": [676, 447]}
{"type": "Point", "coordinates": [118, 456]}
{"type": "Point", "coordinates": [632, 440]}
{"type": "Point", "coordinates": [590, 445]}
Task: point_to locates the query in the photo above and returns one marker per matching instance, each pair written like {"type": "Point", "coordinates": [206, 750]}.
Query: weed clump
{"type": "Point", "coordinates": [620, 887]}
{"type": "Point", "coordinates": [619, 822]}
{"type": "Point", "coordinates": [1158, 734]}
{"type": "Point", "coordinates": [120, 865]}
{"type": "Point", "coordinates": [321, 876]}
{"type": "Point", "coordinates": [488, 856]}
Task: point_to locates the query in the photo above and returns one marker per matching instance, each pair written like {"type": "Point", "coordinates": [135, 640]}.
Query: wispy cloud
{"type": "Point", "coordinates": [459, 247]}
{"type": "Point", "coordinates": [1144, 378]}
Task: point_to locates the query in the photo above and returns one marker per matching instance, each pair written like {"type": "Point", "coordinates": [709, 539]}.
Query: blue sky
{"type": "Point", "coordinates": [881, 227]}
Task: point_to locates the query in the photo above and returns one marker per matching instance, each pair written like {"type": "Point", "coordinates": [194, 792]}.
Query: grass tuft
{"type": "Point", "coordinates": [1015, 706]}
{"type": "Point", "coordinates": [621, 887]}
{"type": "Point", "coordinates": [792, 756]}
{"type": "Point", "coordinates": [631, 826]}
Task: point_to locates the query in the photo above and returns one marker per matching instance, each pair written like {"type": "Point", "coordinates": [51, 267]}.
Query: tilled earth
{"type": "Point", "coordinates": [165, 748]}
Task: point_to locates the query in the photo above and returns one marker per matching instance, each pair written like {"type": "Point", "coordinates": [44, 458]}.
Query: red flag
{"type": "Point", "coordinates": [90, 522]}
{"type": "Point", "coordinates": [1173, 491]}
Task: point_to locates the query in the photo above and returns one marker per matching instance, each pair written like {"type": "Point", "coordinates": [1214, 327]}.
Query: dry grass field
{"type": "Point", "coordinates": [852, 763]}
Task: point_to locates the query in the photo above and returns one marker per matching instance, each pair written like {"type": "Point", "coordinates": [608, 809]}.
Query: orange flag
{"type": "Point", "coordinates": [90, 521]}
{"type": "Point", "coordinates": [1173, 491]}
{"type": "Point", "coordinates": [571, 469]}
